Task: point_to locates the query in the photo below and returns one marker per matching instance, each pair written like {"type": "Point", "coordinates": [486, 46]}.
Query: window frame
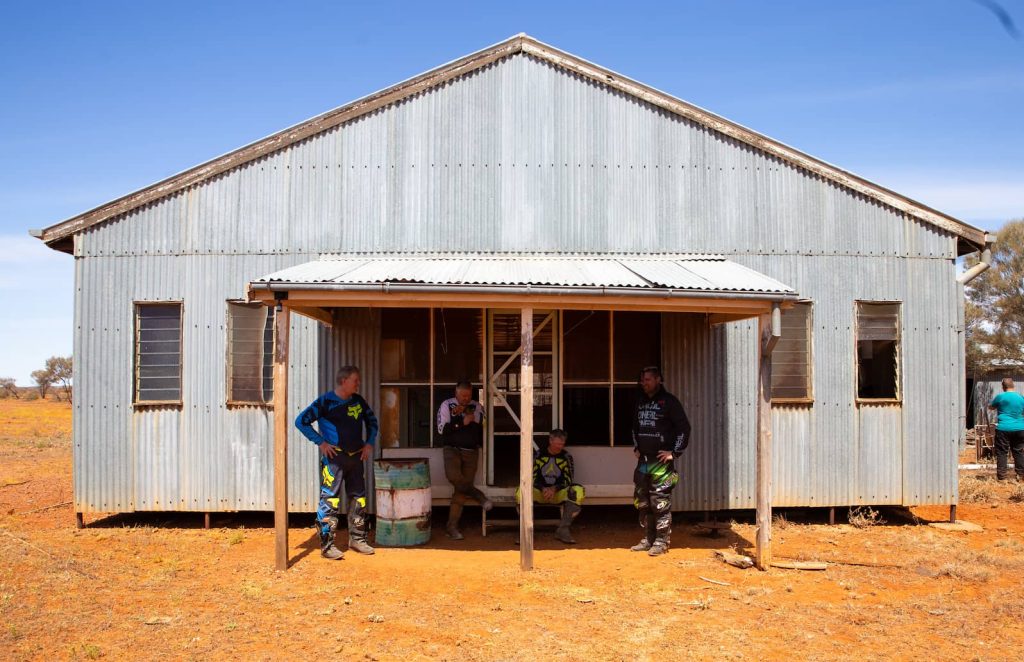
{"type": "Point", "coordinates": [611, 383]}
{"type": "Point", "coordinates": [431, 382]}
{"type": "Point", "coordinates": [809, 398]}
{"type": "Point", "coordinates": [898, 399]}
{"type": "Point", "coordinates": [229, 356]}
{"type": "Point", "coordinates": [136, 352]}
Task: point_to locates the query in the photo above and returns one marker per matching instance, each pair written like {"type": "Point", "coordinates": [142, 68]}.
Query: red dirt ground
{"type": "Point", "coordinates": [158, 586]}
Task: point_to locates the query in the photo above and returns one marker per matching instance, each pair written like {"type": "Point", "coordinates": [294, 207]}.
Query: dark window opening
{"type": "Point", "coordinates": [603, 354]}
{"type": "Point", "coordinates": [458, 345]}
{"type": "Point", "coordinates": [585, 415]}
{"type": "Point", "coordinates": [405, 345]}
{"type": "Point", "coordinates": [626, 398]}
{"type": "Point", "coordinates": [637, 344]}
{"type": "Point", "coordinates": [585, 341]}
{"type": "Point", "coordinates": [878, 345]}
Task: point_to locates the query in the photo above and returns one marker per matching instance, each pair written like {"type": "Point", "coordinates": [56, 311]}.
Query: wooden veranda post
{"type": "Point", "coordinates": [526, 443]}
{"type": "Point", "coordinates": [771, 329]}
{"type": "Point", "coordinates": [282, 323]}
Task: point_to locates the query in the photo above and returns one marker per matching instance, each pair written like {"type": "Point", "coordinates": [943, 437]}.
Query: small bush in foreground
{"type": "Point", "coordinates": [865, 516]}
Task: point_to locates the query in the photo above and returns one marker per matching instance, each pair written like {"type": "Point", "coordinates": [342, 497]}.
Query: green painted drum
{"type": "Point", "coordinates": [403, 501]}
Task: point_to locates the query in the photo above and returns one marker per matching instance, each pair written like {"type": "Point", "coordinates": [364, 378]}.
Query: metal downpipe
{"type": "Point", "coordinates": [983, 265]}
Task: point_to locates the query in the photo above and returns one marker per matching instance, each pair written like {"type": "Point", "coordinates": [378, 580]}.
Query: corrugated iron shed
{"type": "Point", "coordinates": [599, 180]}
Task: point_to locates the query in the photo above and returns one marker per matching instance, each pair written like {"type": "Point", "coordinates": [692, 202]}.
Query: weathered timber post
{"type": "Point", "coordinates": [771, 330]}
{"type": "Point", "coordinates": [526, 443]}
{"type": "Point", "coordinates": [282, 323]}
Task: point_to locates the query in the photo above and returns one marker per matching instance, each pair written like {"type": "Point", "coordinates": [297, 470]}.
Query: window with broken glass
{"type": "Point", "coordinates": [250, 354]}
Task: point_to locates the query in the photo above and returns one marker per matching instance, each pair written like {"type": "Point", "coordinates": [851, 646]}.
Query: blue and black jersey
{"type": "Point", "coordinates": [340, 421]}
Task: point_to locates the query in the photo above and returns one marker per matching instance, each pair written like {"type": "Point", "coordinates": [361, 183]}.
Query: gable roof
{"type": "Point", "coordinates": [59, 236]}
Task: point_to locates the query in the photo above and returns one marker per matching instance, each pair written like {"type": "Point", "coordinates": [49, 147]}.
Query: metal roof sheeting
{"type": "Point", "coordinates": [705, 273]}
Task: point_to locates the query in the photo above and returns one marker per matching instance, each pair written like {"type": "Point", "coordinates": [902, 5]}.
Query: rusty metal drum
{"type": "Point", "coordinates": [403, 501]}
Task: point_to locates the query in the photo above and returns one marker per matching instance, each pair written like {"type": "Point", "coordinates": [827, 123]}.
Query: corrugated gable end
{"type": "Point", "coordinates": [403, 92]}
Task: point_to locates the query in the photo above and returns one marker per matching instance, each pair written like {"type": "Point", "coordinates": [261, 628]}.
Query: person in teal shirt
{"type": "Point", "coordinates": [1009, 407]}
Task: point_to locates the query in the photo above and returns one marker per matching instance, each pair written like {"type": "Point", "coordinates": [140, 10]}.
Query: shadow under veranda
{"type": "Point", "coordinates": [597, 527]}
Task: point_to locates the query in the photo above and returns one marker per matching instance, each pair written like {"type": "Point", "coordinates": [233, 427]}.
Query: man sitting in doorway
{"type": "Point", "coordinates": [553, 484]}
{"type": "Point", "coordinates": [460, 424]}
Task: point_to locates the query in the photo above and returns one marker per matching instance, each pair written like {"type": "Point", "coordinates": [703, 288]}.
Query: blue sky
{"type": "Point", "coordinates": [99, 99]}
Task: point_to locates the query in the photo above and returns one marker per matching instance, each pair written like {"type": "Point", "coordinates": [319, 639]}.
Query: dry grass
{"type": "Point", "coordinates": [37, 422]}
{"type": "Point", "coordinates": [194, 594]}
{"type": "Point", "coordinates": [1017, 493]}
{"type": "Point", "coordinates": [975, 490]}
{"type": "Point", "coordinates": [980, 566]}
{"type": "Point", "coordinates": [1010, 544]}
{"type": "Point", "coordinates": [965, 572]}
{"type": "Point", "coordinates": [1008, 603]}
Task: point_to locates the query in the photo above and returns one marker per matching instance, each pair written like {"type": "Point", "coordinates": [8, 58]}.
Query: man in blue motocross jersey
{"type": "Point", "coordinates": [341, 414]}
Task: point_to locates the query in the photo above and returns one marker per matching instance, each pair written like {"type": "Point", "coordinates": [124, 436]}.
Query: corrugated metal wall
{"type": "Point", "coordinates": [202, 456]}
{"type": "Point", "coordinates": [518, 156]}
{"type": "Point", "coordinates": [834, 451]}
